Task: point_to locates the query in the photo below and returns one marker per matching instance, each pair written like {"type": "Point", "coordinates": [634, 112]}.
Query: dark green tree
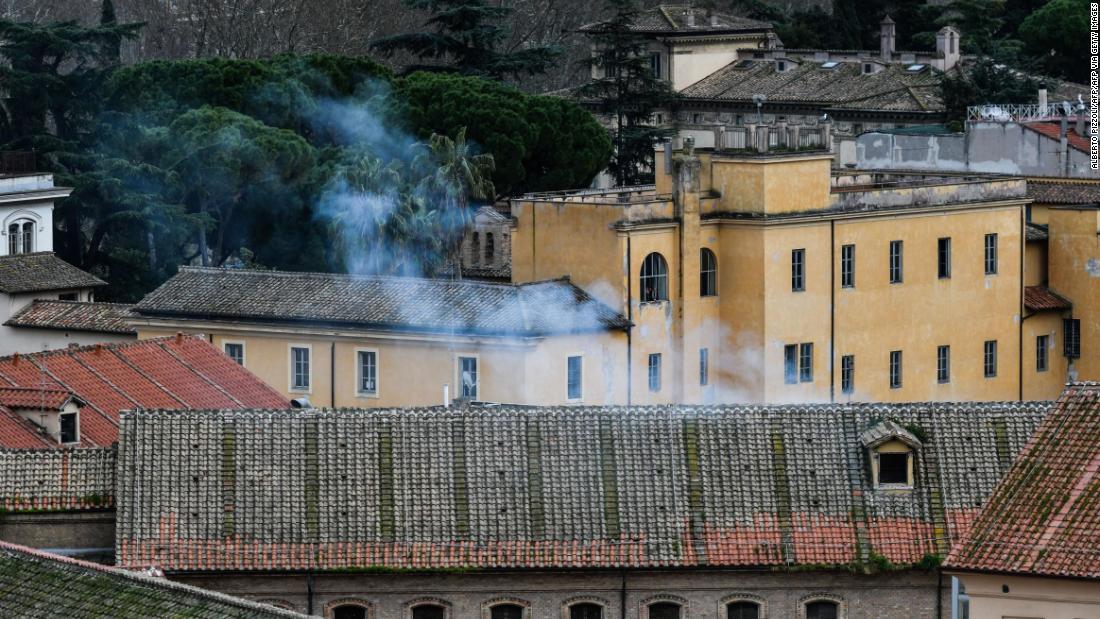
{"type": "Point", "coordinates": [466, 36]}
{"type": "Point", "coordinates": [627, 92]}
{"type": "Point", "coordinates": [985, 82]}
{"type": "Point", "coordinates": [1057, 36]}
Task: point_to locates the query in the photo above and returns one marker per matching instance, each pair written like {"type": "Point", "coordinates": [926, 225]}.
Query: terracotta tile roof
{"type": "Point", "coordinates": [530, 487]}
{"type": "Point", "coordinates": [74, 316]}
{"type": "Point", "coordinates": [1053, 130]}
{"type": "Point", "coordinates": [1044, 518]}
{"type": "Point", "coordinates": [184, 372]}
{"type": "Point", "coordinates": [843, 87]}
{"type": "Point", "coordinates": [1039, 298]}
{"type": "Point", "coordinates": [29, 397]}
{"type": "Point", "coordinates": [392, 303]}
{"type": "Point", "coordinates": [671, 19]}
{"type": "Point", "coordinates": [19, 433]}
{"type": "Point", "coordinates": [40, 584]}
{"type": "Point", "coordinates": [1063, 193]}
{"type": "Point", "coordinates": [42, 271]}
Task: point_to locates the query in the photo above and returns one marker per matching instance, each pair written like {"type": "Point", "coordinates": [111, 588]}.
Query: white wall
{"type": "Point", "coordinates": [24, 340]}
{"type": "Point", "coordinates": [40, 211]}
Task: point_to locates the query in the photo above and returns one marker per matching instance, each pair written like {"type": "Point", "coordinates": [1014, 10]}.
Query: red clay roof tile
{"type": "Point", "coordinates": [1038, 298]}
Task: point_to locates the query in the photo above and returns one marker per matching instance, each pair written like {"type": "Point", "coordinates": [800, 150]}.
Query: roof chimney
{"type": "Point", "coordinates": [179, 337]}
{"type": "Point", "coordinates": [947, 48]}
{"type": "Point", "coordinates": [714, 20]}
{"type": "Point", "coordinates": [15, 359]}
{"type": "Point", "coordinates": [887, 31]}
{"type": "Point", "coordinates": [690, 18]}
{"type": "Point", "coordinates": [1043, 111]}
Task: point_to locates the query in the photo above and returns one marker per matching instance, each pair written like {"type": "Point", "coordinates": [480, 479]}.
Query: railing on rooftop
{"type": "Point", "coordinates": [543, 195]}
{"type": "Point", "coordinates": [17, 162]}
{"type": "Point", "coordinates": [1022, 112]}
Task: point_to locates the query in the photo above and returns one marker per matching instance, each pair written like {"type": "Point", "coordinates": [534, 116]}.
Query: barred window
{"type": "Point", "coordinates": [506, 611]}
{"type": "Point", "coordinates": [664, 610]}
{"type": "Point", "coordinates": [821, 609]}
{"type": "Point", "coordinates": [742, 610]}
{"type": "Point", "coordinates": [587, 610]}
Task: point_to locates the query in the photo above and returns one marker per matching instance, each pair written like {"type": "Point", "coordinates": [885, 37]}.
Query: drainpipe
{"type": "Point", "coordinates": [332, 375]}
{"type": "Point", "coordinates": [1023, 309]}
{"type": "Point", "coordinates": [832, 310]}
{"type": "Point", "coordinates": [622, 597]}
{"type": "Point", "coordinates": [309, 593]}
{"type": "Point", "coordinates": [630, 329]}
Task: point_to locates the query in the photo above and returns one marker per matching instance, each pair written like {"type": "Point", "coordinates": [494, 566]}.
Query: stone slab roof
{"type": "Point", "coordinates": [74, 316]}
{"type": "Point", "coordinates": [40, 272]}
{"type": "Point", "coordinates": [389, 303]}
{"type": "Point", "coordinates": [570, 487]}
{"type": "Point", "coordinates": [843, 87]}
{"type": "Point", "coordinates": [1063, 193]}
{"type": "Point", "coordinates": [672, 20]}
{"type": "Point", "coordinates": [1039, 298]}
{"type": "Point", "coordinates": [39, 584]}
{"type": "Point", "coordinates": [1043, 519]}
{"type": "Point", "coordinates": [171, 372]}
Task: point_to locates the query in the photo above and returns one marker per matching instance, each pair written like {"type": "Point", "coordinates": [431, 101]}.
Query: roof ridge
{"type": "Point", "coordinates": [88, 347]}
{"type": "Point", "coordinates": [72, 302]}
{"type": "Point", "coordinates": [352, 276]}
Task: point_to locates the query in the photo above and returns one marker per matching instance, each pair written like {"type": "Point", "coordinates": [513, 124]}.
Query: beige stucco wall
{"type": "Point", "coordinates": [412, 371]}
{"type": "Point", "coordinates": [1044, 385]}
{"type": "Point", "coordinates": [1030, 598]}
{"type": "Point", "coordinates": [1074, 247]}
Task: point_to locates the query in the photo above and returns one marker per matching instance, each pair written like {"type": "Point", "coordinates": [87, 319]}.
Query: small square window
{"type": "Point", "coordinates": [893, 468]}
{"type": "Point", "coordinates": [235, 351]}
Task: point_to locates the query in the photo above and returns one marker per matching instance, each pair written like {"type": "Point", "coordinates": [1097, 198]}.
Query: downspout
{"type": "Point", "coordinates": [309, 593]}
{"type": "Point", "coordinates": [622, 597]}
{"type": "Point", "coordinates": [832, 310]}
{"type": "Point", "coordinates": [939, 594]}
{"type": "Point", "coordinates": [332, 375]}
{"type": "Point", "coordinates": [630, 329]}
{"type": "Point", "coordinates": [1023, 308]}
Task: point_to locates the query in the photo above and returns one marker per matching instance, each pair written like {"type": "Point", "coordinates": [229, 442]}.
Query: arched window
{"type": "Point", "coordinates": [429, 611]}
{"type": "Point", "coordinates": [21, 237]}
{"type": "Point", "coordinates": [742, 610]}
{"type": "Point", "coordinates": [708, 273]}
{"type": "Point", "coordinates": [349, 611]}
{"type": "Point", "coordinates": [654, 280]}
{"type": "Point", "coordinates": [664, 610]}
{"type": "Point", "coordinates": [489, 248]}
{"type": "Point", "coordinates": [821, 609]}
{"type": "Point", "coordinates": [506, 611]}
{"type": "Point", "coordinates": [586, 610]}
{"type": "Point", "coordinates": [475, 247]}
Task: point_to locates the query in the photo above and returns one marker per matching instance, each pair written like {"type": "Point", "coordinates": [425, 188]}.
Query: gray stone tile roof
{"type": "Point", "coordinates": [39, 584]}
{"type": "Point", "coordinates": [529, 487]}
{"type": "Point", "coordinates": [1036, 232]}
{"type": "Point", "coordinates": [74, 316]}
{"type": "Point", "coordinates": [671, 19]}
{"type": "Point", "coordinates": [398, 303]}
{"type": "Point", "coordinates": [42, 271]}
{"type": "Point", "coordinates": [1063, 193]}
{"type": "Point", "coordinates": [843, 87]}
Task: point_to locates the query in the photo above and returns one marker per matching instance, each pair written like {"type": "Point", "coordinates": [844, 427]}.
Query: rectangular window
{"type": "Point", "coordinates": [1071, 337]}
{"type": "Point", "coordinates": [990, 358]}
{"type": "Point", "coordinates": [798, 270]}
{"type": "Point", "coordinates": [847, 374]}
{"type": "Point", "coordinates": [805, 363]}
{"type": "Point", "coordinates": [655, 372]}
{"type": "Point", "coordinates": [704, 366]}
{"type": "Point", "coordinates": [299, 368]}
{"type": "Point", "coordinates": [655, 64]}
{"type": "Point", "coordinates": [467, 373]}
{"type": "Point", "coordinates": [895, 369]}
{"type": "Point", "coordinates": [991, 254]}
{"type": "Point", "coordinates": [944, 254]}
{"type": "Point", "coordinates": [574, 371]}
{"type": "Point", "coordinates": [848, 266]}
{"type": "Point", "coordinates": [69, 431]}
{"type": "Point", "coordinates": [943, 364]}
{"type": "Point", "coordinates": [235, 351]}
{"type": "Point", "coordinates": [896, 262]}
{"type": "Point", "coordinates": [368, 372]}
{"type": "Point", "coordinates": [790, 364]}
{"type": "Point", "coordinates": [1042, 345]}
{"type": "Point", "coordinates": [893, 468]}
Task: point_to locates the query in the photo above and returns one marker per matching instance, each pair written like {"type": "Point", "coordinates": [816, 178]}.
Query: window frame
{"type": "Point", "coordinates": [567, 606]}
{"type": "Point", "coordinates": [906, 469]}
{"type": "Point", "coordinates": [460, 390]}
{"type": "Point", "coordinates": [848, 266]}
{"type": "Point", "coordinates": [488, 606]}
{"type": "Point", "coordinates": [992, 261]}
{"type": "Point", "coordinates": [663, 599]}
{"type": "Point", "coordinates": [654, 377]}
{"type": "Point", "coordinates": [790, 364]}
{"type": "Point", "coordinates": [659, 279]}
{"type": "Point", "coordinates": [805, 601]}
{"type": "Point", "coordinates": [897, 262]}
{"type": "Point", "coordinates": [226, 343]}
{"type": "Point", "coordinates": [989, 359]}
{"type": "Point", "coordinates": [331, 606]}
{"type": "Point", "coordinates": [19, 228]}
{"type": "Point", "coordinates": [411, 606]}
{"type": "Point", "coordinates": [580, 378]}
{"type": "Point", "coordinates": [943, 257]}
{"type": "Point", "coordinates": [896, 369]}
{"type": "Point", "coordinates": [798, 270]}
{"type": "Point", "coordinates": [293, 388]}
{"type": "Point", "coordinates": [734, 598]}
{"type": "Point", "coordinates": [943, 364]}
{"type": "Point", "coordinates": [847, 374]}
{"type": "Point", "coordinates": [1042, 352]}
{"type": "Point", "coordinates": [704, 367]}
{"type": "Point", "coordinates": [359, 392]}
{"type": "Point", "coordinates": [806, 362]}
{"type": "Point", "coordinates": [708, 273]}
{"type": "Point", "coordinates": [1071, 338]}
{"type": "Point", "coordinates": [75, 415]}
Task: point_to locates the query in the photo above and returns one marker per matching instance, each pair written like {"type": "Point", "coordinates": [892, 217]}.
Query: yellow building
{"type": "Point", "coordinates": [342, 340]}
{"type": "Point", "coordinates": [764, 277]}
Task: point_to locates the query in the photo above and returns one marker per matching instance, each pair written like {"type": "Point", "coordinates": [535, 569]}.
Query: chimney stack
{"type": "Point", "coordinates": [714, 20]}
{"type": "Point", "coordinates": [1079, 126]}
{"type": "Point", "coordinates": [1043, 110]}
{"type": "Point", "coordinates": [947, 48]}
{"type": "Point", "coordinates": [690, 17]}
{"type": "Point", "coordinates": [887, 35]}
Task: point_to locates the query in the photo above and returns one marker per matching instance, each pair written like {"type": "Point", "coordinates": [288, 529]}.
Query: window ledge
{"type": "Point", "coordinates": [894, 487]}
{"type": "Point", "coordinates": [364, 394]}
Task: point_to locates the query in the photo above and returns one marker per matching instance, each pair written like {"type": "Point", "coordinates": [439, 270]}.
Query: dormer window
{"type": "Point", "coordinates": [69, 428]}
{"type": "Point", "coordinates": [781, 66]}
{"type": "Point", "coordinates": [891, 450]}
{"type": "Point", "coordinates": [868, 68]}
